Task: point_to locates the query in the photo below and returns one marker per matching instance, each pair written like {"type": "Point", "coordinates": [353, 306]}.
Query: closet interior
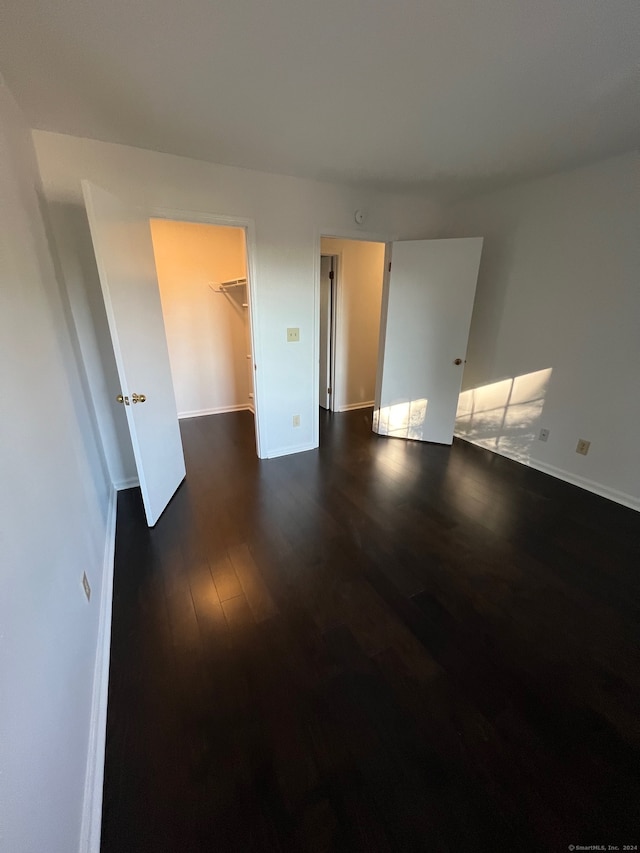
{"type": "Point", "coordinates": [202, 277]}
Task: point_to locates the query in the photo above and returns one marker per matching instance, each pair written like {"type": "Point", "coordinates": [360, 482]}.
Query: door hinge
{"type": "Point", "coordinates": [328, 390]}
{"type": "Point", "coordinates": [331, 274]}
{"type": "Point", "coordinates": [389, 266]}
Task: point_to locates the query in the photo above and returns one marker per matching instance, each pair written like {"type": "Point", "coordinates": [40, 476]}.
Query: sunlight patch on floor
{"type": "Point", "coordinates": [401, 420]}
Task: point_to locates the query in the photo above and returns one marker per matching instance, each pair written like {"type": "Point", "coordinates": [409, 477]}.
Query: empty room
{"type": "Point", "coordinates": [319, 523]}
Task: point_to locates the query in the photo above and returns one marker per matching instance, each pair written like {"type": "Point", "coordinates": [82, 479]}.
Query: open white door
{"type": "Point", "coordinates": [124, 253]}
{"type": "Point", "coordinates": [325, 332]}
{"type": "Point", "coordinates": [426, 316]}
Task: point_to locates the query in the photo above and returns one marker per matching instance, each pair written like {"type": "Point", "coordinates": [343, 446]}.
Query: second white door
{"type": "Point", "coordinates": [427, 308]}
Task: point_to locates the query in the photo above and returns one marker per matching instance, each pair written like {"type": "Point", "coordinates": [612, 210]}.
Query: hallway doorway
{"type": "Point", "coordinates": [351, 280]}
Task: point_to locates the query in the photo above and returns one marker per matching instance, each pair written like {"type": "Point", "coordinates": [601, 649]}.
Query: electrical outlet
{"type": "Point", "coordinates": [296, 420]}
{"type": "Point", "coordinates": [544, 434]}
{"type": "Point", "coordinates": [583, 446]}
{"type": "Point", "coordinates": [85, 586]}
{"type": "Point", "coordinates": [293, 335]}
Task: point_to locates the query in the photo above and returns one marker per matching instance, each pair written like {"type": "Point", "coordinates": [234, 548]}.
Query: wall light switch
{"type": "Point", "coordinates": [583, 446]}
{"type": "Point", "coordinates": [293, 335]}
{"type": "Point", "coordinates": [544, 434]}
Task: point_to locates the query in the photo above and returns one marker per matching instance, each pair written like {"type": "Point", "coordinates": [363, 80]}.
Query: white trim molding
{"type": "Point", "coordinates": [566, 476]}
{"type": "Point", "coordinates": [350, 407]}
{"type": "Point", "coordinates": [129, 483]}
{"type": "Point", "coordinates": [92, 805]}
{"type": "Point", "coordinates": [288, 451]}
{"type": "Point", "coordinates": [219, 410]}
{"type": "Point", "coordinates": [590, 485]}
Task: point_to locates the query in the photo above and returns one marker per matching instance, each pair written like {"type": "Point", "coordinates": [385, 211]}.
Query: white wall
{"type": "Point", "coordinates": [359, 297]}
{"type": "Point", "coordinates": [206, 331]}
{"type": "Point", "coordinates": [556, 324]}
{"type": "Point", "coordinates": [556, 290]}
{"type": "Point", "coordinates": [289, 216]}
{"type": "Point", "coordinates": [55, 511]}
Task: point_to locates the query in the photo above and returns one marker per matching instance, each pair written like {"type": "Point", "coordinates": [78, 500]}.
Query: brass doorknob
{"type": "Point", "coordinates": [138, 398]}
{"type": "Point", "coordinates": [122, 399]}
{"type": "Point", "coordinates": [456, 361]}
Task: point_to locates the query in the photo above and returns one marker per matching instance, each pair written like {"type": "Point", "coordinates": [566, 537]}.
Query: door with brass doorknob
{"type": "Point", "coordinates": [124, 254]}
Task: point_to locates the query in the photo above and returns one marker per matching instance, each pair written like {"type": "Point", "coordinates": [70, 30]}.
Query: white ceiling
{"type": "Point", "coordinates": [447, 96]}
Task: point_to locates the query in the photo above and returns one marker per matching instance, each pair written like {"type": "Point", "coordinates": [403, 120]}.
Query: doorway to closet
{"type": "Point", "coordinates": [351, 281]}
{"type": "Point", "coordinates": [202, 278]}
{"type": "Point", "coordinates": [127, 267]}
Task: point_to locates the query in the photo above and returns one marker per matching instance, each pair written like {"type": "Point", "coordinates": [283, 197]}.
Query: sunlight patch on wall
{"type": "Point", "coordinates": [402, 420]}
{"type": "Point", "coordinates": [504, 416]}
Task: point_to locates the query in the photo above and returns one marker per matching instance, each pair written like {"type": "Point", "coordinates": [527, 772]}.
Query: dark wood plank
{"type": "Point", "coordinates": [225, 578]}
{"type": "Point", "coordinates": [254, 588]}
{"type": "Point", "coordinates": [380, 645]}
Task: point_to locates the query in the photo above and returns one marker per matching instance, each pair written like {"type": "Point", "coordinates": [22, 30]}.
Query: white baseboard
{"type": "Point", "coordinates": [582, 482]}
{"type": "Point", "coordinates": [351, 406]}
{"type": "Point", "coordinates": [590, 485]}
{"type": "Point", "coordinates": [219, 410]}
{"type": "Point", "coordinates": [288, 451]}
{"type": "Point", "coordinates": [131, 483]}
{"type": "Point", "coordinates": [92, 805]}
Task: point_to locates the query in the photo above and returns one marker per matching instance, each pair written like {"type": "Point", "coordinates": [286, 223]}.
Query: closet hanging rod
{"type": "Point", "coordinates": [228, 285]}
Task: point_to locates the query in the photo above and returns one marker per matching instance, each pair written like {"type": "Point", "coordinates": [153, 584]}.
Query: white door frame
{"type": "Point", "coordinates": [340, 234]}
{"type": "Point", "coordinates": [249, 228]}
{"type": "Point", "coordinates": [336, 263]}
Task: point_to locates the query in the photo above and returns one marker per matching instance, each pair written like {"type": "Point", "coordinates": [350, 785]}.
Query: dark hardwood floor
{"type": "Point", "coordinates": [377, 646]}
